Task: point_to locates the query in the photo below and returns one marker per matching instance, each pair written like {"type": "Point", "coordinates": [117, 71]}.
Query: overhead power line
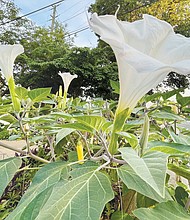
{"type": "Point", "coordinates": [32, 12]}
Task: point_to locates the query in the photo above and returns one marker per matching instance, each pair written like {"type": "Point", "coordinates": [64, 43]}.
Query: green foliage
{"type": "Point", "coordinates": [162, 211]}
{"type": "Point", "coordinates": [102, 181]}
{"type": "Point", "coordinates": [8, 167]}
{"type": "Point", "coordinates": [127, 180]}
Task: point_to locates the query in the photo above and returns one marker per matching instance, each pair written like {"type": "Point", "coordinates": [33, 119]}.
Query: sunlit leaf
{"type": "Point", "coordinates": [166, 115]}
{"type": "Point", "coordinates": [63, 133]}
{"type": "Point", "coordinates": [151, 168]}
{"type": "Point", "coordinates": [84, 197]}
{"type": "Point", "coordinates": [8, 168]}
{"type": "Point", "coordinates": [21, 92]}
{"type": "Point", "coordinates": [135, 182]}
{"type": "Point", "coordinates": [38, 95]}
{"type": "Point", "coordinates": [168, 148]}
{"type": "Point", "coordinates": [163, 211]}
{"type": "Point", "coordinates": [94, 121]}
{"type": "Point", "coordinates": [46, 177]}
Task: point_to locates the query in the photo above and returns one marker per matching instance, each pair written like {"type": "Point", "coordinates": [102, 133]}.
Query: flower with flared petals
{"type": "Point", "coordinates": [8, 54]}
{"type": "Point", "coordinates": [146, 51]}
{"type": "Point", "coordinates": [67, 78]}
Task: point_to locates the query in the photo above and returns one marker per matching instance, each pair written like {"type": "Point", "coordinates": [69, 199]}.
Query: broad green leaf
{"type": "Point", "coordinates": [131, 138]}
{"type": "Point", "coordinates": [8, 118]}
{"type": "Point", "coordinates": [166, 115]}
{"type": "Point", "coordinates": [38, 95]}
{"type": "Point", "coordinates": [63, 133]}
{"type": "Point", "coordinates": [21, 92]}
{"type": "Point", "coordinates": [61, 115]}
{"type": "Point", "coordinates": [133, 124]}
{"type": "Point", "coordinates": [133, 181]}
{"type": "Point", "coordinates": [152, 97]}
{"type": "Point", "coordinates": [181, 195]}
{"type": "Point", "coordinates": [115, 86]}
{"type": "Point", "coordinates": [77, 126]}
{"type": "Point", "coordinates": [40, 119]}
{"type": "Point", "coordinates": [181, 171]}
{"type": "Point", "coordinates": [185, 124]}
{"type": "Point", "coordinates": [183, 101]}
{"type": "Point", "coordinates": [8, 168]}
{"type": "Point", "coordinates": [46, 177]}
{"type": "Point", "coordinates": [163, 211]}
{"type": "Point", "coordinates": [151, 167]}
{"type": "Point", "coordinates": [168, 148]}
{"type": "Point", "coordinates": [83, 198]}
{"type": "Point", "coordinates": [118, 215]}
{"type": "Point", "coordinates": [182, 139]}
{"type": "Point", "coordinates": [94, 121]}
{"type": "Point", "coordinates": [169, 94]}
{"type": "Point", "coordinates": [32, 210]}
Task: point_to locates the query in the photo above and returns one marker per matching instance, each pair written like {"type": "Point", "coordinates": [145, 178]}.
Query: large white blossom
{"type": "Point", "coordinates": [67, 78]}
{"type": "Point", "coordinates": [146, 51]}
{"type": "Point", "coordinates": [8, 54]}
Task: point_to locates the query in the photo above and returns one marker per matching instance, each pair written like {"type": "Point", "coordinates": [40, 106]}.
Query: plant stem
{"type": "Point", "coordinates": [118, 124]}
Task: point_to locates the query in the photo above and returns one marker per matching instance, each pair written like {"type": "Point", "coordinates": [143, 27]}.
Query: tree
{"type": "Point", "coordinates": [13, 30]}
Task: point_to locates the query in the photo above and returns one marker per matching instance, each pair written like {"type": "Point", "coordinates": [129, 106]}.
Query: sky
{"type": "Point", "coordinates": [71, 13]}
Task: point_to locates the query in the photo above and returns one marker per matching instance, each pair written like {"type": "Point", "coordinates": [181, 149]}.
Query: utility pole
{"type": "Point", "coordinates": [53, 17]}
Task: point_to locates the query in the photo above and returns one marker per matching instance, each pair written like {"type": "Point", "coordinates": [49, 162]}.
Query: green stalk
{"type": "Point", "coordinates": [118, 124]}
{"type": "Point", "coordinates": [15, 100]}
{"type": "Point", "coordinates": [64, 99]}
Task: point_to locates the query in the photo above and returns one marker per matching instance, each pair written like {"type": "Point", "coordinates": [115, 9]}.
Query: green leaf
{"type": "Point", "coordinates": [152, 97]}
{"type": "Point", "coordinates": [94, 121]}
{"type": "Point", "coordinates": [8, 168]}
{"type": "Point", "coordinates": [120, 216]}
{"type": "Point", "coordinates": [61, 115]}
{"type": "Point", "coordinates": [169, 94]}
{"type": "Point", "coordinates": [131, 138]}
{"type": "Point", "coordinates": [169, 148]}
{"type": "Point", "coordinates": [63, 133]}
{"type": "Point", "coordinates": [182, 139]}
{"type": "Point", "coordinates": [115, 86]}
{"type": "Point", "coordinates": [36, 204]}
{"type": "Point", "coordinates": [77, 126]}
{"type": "Point", "coordinates": [163, 211]}
{"type": "Point", "coordinates": [38, 95]}
{"type": "Point", "coordinates": [133, 181]}
{"type": "Point", "coordinates": [181, 171]}
{"type": "Point", "coordinates": [133, 124]}
{"type": "Point", "coordinates": [46, 177]}
{"type": "Point", "coordinates": [167, 116]}
{"type": "Point", "coordinates": [181, 195]}
{"type": "Point", "coordinates": [151, 168]}
{"type": "Point", "coordinates": [183, 101]}
{"type": "Point", "coordinates": [21, 92]}
{"type": "Point", "coordinates": [84, 197]}
{"type": "Point", "coordinates": [8, 118]}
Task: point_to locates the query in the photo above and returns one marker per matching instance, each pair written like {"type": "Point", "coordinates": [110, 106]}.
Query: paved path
{"type": "Point", "coordinates": [6, 153]}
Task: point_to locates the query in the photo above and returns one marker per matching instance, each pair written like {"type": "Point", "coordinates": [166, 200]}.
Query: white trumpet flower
{"type": "Point", "coordinates": [146, 51]}
{"type": "Point", "coordinates": [8, 54]}
{"type": "Point", "coordinates": [67, 78]}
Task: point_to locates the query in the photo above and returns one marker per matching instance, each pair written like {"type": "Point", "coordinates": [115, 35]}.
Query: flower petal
{"type": "Point", "coordinates": [8, 54]}
{"type": "Point", "coordinates": [67, 78]}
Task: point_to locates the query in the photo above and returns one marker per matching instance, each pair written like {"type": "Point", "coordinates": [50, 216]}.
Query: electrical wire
{"type": "Point", "coordinates": [30, 13]}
